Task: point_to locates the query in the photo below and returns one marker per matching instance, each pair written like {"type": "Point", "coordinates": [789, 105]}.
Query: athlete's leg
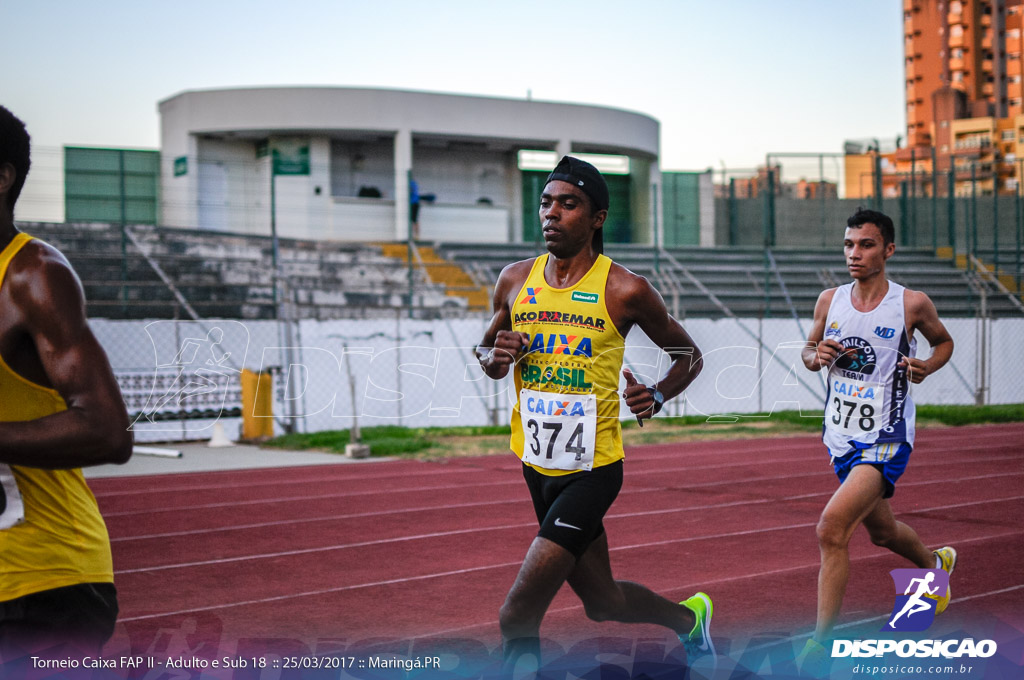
{"type": "Point", "coordinates": [898, 537]}
{"type": "Point", "coordinates": [606, 599]}
{"type": "Point", "coordinates": [853, 501]}
{"type": "Point", "coordinates": [545, 568]}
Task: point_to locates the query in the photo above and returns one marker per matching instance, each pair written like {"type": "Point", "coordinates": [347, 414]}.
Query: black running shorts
{"type": "Point", "coordinates": [570, 508]}
{"type": "Point", "coordinates": [70, 621]}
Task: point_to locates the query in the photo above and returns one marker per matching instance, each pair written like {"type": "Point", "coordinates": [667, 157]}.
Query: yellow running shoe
{"type": "Point", "coordinates": [699, 640]}
{"type": "Point", "coordinates": [947, 560]}
{"type": "Point", "coordinates": [813, 661]}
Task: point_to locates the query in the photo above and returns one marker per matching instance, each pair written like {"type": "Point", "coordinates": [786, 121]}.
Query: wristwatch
{"type": "Point", "coordinates": [659, 399]}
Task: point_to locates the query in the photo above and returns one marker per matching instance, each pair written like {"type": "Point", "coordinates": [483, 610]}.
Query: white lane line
{"type": "Point", "coordinates": [518, 483]}
{"type": "Point", "coordinates": [457, 572]}
{"type": "Point", "coordinates": [501, 527]}
{"type": "Point", "coordinates": [743, 447]}
{"type": "Point", "coordinates": [770, 572]}
{"type": "Point", "coordinates": [463, 506]}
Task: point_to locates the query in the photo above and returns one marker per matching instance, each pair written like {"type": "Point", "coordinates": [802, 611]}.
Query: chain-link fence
{"type": "Point", "coordinates": [974, 207]}
{"type": "Point", "coordinates": [181, 377]}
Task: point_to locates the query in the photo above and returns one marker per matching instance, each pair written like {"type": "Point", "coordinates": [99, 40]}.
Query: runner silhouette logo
{"type": "Point", "coordinates": [914, 607]}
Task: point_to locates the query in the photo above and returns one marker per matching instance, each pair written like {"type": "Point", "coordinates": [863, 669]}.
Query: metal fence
{"type": "Point", "coordinates": [974, 209]}
{"type": "Point", "coordinates": [182, 377]}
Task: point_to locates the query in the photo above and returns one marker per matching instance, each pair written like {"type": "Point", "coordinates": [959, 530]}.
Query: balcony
{"type": "Point", "coordinates": [988, 89]}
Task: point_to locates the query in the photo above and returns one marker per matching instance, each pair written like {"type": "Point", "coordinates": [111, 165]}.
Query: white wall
{"type": "Point", "coordinates": [467, 223]}
{"type": "Point", "coordinates": [439, 382]}
{"type": "Point", "coordinates": [233, 194]}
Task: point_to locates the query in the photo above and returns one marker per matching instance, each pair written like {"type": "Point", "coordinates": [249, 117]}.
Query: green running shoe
{"type": "Point", "coordinates": [699, 640]}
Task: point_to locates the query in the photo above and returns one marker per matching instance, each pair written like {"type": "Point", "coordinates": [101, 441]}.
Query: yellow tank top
{"type": "Point", "coordinates": [62, 539]}
{"type": "Point", "coordinates": [575, 351]}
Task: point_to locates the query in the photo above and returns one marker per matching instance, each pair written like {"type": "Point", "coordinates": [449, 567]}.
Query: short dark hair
{"type": "Point", "coordinates": [14, 149]}
{"type": "Point", "coordinates": [881, 220]}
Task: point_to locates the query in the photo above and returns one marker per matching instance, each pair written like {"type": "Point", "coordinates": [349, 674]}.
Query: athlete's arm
{"type": "Point", "coordinates": [501, 346]}
{"type": "Point", "coordinates": [820, 353]}
{"type": "Point", "coordinates": [633, 300]}
{"type": "Point", "coordinates": [924, 317]}
{"type": "Point", "coordinates": [45, 299]}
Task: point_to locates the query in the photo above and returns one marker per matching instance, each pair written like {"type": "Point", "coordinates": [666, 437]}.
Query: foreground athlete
{"type": "Point", "coordinates": [863, 336]}
{"type": "Point", "coordinates": [60, 409]}
{"type": "Point", "coordinates": [559, 323]}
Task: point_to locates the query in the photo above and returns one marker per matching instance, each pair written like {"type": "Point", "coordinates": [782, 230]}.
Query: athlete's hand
{"type": "Point", "coordinates": [917, 369]}
{"type": "Point", "coordinates": [508, 345]}
{"type": "Point", "coordinates": [826, 352]}
{"type": "Point", "coordinates": [638, 398]}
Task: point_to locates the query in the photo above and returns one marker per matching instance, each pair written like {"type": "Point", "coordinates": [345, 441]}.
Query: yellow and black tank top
{"type": "Point", "coordinates": [51, 531]}
{"type": "Point", "coordinates": [566, 417]}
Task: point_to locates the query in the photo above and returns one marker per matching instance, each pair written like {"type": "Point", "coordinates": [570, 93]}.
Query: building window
{"type": "Point", "coordinates": [956, 7]}
{"type": "Point", "coordinates": [957, 53]}
{"type": "Point", "coordinates": [958, 76]}
{"type": "Point", "coordinates": [1007, 135]}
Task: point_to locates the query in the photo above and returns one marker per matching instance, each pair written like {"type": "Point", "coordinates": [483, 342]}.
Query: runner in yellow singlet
{"type": "Point", "coordinates": [559, 324]}
{"type": "Point", "coordinates": [60, 409]}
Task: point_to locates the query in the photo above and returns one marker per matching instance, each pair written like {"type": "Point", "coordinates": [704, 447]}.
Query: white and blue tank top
{"type": "Point", "coordinates": [868, 397]}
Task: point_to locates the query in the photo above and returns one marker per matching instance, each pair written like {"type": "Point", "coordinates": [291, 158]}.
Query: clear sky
{"type": "Point", "coordinates": [730, 80]}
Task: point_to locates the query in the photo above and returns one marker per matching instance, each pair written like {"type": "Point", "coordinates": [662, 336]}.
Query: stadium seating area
{"type": "Point", "coordinates": [748, 282]}
{"type": "Point", "coordinates": [231, 276]}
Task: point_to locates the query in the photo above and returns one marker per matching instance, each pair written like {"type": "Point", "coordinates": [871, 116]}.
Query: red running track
{"type": "Point", "coordinates": [406, 549]}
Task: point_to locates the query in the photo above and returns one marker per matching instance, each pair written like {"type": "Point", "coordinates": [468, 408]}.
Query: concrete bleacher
{"type": "Point", "coordinates": [231, 276]}
{"type": "Point", "coordinates": [744, 281]}
{"type": "Point", "coordinates": [224, 275]}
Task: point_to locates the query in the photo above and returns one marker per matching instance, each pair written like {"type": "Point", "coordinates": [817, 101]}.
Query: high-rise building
{"type": "Point", "coordinates": [962, 60]}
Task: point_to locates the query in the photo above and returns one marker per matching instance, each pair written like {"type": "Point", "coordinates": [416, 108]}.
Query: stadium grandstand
{"type": "Point", "coordinates": [157, 272]}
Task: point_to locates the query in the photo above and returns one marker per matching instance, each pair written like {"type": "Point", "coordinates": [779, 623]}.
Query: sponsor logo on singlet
{"type": "Point", "coordinates": [858, 356]}
{"type": "Point", "coordinates": [561, 319]}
